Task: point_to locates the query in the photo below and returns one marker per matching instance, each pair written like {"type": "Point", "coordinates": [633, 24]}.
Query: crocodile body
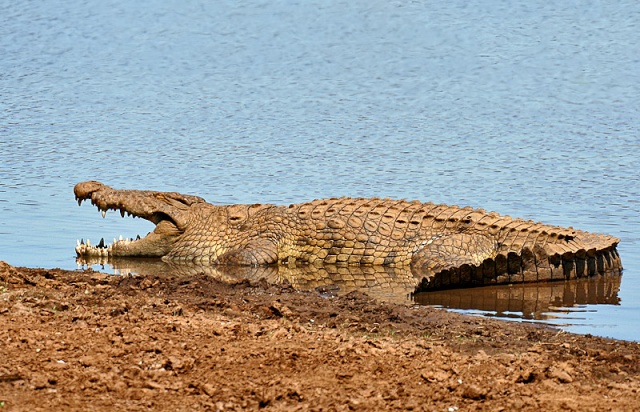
{"type": "Point", "coordinates": [456, 245]}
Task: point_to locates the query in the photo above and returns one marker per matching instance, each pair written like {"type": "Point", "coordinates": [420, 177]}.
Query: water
{"type": "Point", "coordinates": [528, 109]}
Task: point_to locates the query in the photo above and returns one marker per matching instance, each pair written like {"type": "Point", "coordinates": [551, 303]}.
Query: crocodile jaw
{"type": "Point", "coordinates": [166, 211]}
{"type": "Point", "coordinates": [156, 244]}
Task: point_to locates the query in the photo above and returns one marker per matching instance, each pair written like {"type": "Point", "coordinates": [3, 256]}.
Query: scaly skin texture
{"type": "Point", "coordinates": [456, 245]}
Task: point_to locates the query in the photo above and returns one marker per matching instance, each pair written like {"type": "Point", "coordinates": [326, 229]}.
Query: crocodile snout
{"type": "Point", "coordinates": [84, 190]}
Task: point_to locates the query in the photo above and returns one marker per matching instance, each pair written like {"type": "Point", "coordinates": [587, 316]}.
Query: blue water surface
{"type": "Point", "coordinates": [528, 108]}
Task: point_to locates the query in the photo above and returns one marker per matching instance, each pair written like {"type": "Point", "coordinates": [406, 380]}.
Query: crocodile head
{"type": "Point", "coordinates": [169, 211]}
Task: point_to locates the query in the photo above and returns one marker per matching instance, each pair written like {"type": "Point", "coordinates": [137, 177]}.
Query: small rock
{"type": "Point", "coordinates": [344, 375]}
{"type": "Point", "coordinates": [473, 392]}
{"type": "Point", "coordinates": [179, 364]}
{"type": "Point", "coordinates": [40, 382]}
{"type": "Point", "coordinates": [561, 375]}
{"type": "Point", "coordinates": [86, 361]}
{"type": "Point", "coordinates": [208, 389]}
{"type": "Point", "coordinates": [280, 333]}
{"type": "Point", "coordinates": [117, 386]}
{"type": "Point", "coordinates": [481, 355]}
{"type": "Point", "coordinates": [435, 376]}
{"type": "Point", "coordinates": [154, 385]}
{"type": "Point", "coordinates": [280, 310]}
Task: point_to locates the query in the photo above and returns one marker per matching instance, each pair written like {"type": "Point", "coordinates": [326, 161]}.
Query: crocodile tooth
{"type": "Point", "coordinates": [104, 214]}
{"type": "Point", "coordinates": [88, 243]}
{"type": "Point", "coordinates": [120, 237]}
{"type": "Point", "coordinates": [79, 201]}
{"type": "Point", "coordinates": [77, 243]}
{"type": "Point", "coordinates": [122, 212]}
{"type": "Point", "coordinates": [101, 244]}
{"type": "Point", "coordinates": [138, 237]}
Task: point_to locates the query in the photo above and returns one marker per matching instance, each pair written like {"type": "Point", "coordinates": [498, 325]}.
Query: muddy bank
{"type": "Point", "coordinates": [86, 340]}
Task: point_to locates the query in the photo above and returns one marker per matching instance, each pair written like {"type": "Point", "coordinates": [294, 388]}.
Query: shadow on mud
{"type": "Point", "coordinates": [535, 301]}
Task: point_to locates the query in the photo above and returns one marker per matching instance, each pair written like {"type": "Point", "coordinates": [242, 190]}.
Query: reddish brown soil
{"type": "Point", "coordinates": [90, 341]}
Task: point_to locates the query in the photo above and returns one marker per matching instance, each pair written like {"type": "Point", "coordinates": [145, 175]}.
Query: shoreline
{"type": "Point", "coordinates": [76, 340]}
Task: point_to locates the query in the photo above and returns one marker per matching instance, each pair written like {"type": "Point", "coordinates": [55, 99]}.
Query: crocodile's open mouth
{"type": "Point", "coordinates": [165, 210]}
{"type": "Point", "coordinates": [155, 244]}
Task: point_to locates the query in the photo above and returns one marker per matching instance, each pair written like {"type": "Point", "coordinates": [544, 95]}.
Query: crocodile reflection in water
{"type": "Point", "coordinates": [528, 300]}
{"type": "Point", "coordinates": [380, 282]}
{"type": "Point", "coordinates": [397, 285]}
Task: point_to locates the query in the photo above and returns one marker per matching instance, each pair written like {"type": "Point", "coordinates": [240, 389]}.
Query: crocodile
{"type": "Point", "coordinates": [449, 245]}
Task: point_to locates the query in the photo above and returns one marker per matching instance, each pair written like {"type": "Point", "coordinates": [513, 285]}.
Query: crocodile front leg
{"type": "Point", "coordinates": [256, 252]}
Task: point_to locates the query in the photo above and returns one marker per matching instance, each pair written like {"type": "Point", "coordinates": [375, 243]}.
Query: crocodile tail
{"type": "Point", "coordinates": [538, 252]}
{"type": "Point", "coordinates": [530, 265]}
{"type": "Point", "coordinates": [528, 251]}
{"type": "Point", "coordinates": [581, 254]}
